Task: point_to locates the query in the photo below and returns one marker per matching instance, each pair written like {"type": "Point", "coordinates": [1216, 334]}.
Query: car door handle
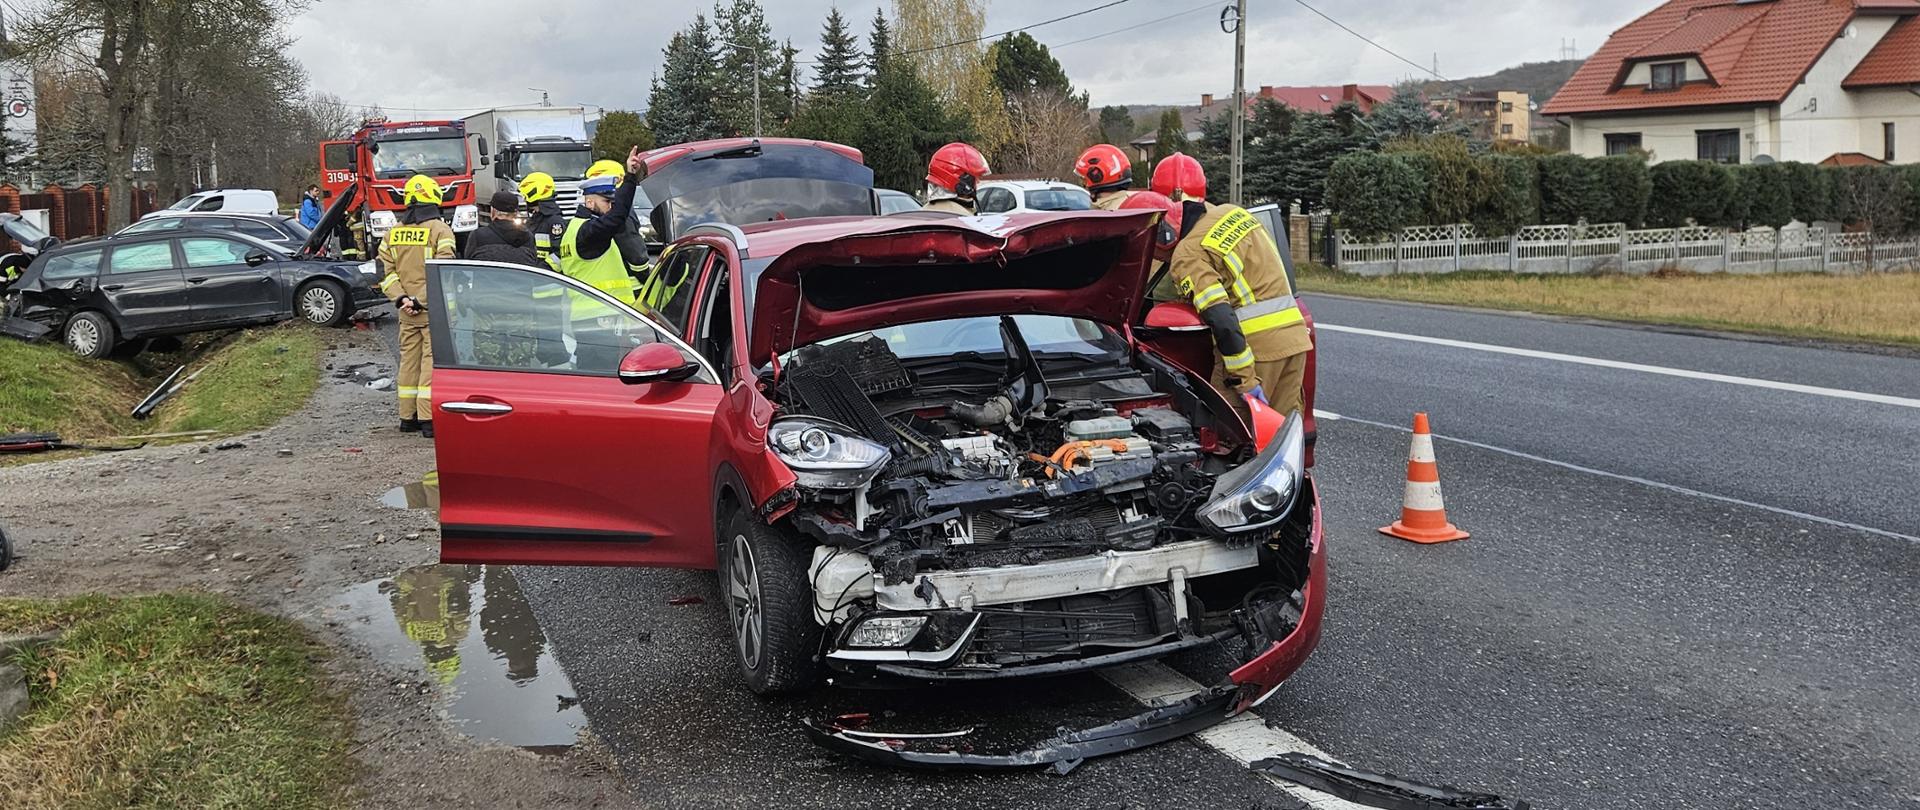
{"type": "Point", "coordinates": [112, 287]}
{"type": "Point", "coordinates": [196, 279]}
{"type": "Point", "coordinates": [487, 408]}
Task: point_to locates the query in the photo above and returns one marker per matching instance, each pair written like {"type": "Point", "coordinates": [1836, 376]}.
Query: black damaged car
{"type": "Point", "coordinates": [96, 296]}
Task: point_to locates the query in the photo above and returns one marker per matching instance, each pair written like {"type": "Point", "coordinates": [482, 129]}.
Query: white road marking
{"type": "Point", "coordinates": [1243, 739]}
{"type": "Point", "coordinates": [1651, 483]}
{"type": "Point", "coordinates": [1327, 415]}
{"type": "Point", "coordinates": [1753, 382]}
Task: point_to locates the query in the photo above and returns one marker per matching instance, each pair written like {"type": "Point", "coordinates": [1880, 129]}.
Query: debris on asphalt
{"type": "Point", "coordinates": [382, 384]}
{"type": "Point", "coordinates": [1383, 790]}
{"type": "Point", "coordinates": [1064, 752]}
{"type": "Point", "coordinates": [286, 452]}
{"type": "Point", "coordinates": [230, 445]}
{"type": "Point", "coordinates": [679, 601]}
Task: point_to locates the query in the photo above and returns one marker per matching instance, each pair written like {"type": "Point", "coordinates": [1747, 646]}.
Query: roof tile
{"type": "Point", "coordinates": [1894, 61]}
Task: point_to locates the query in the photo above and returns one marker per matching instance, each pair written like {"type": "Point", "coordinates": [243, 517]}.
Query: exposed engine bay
{"type": "Point", "coordinates": [1024, 517]}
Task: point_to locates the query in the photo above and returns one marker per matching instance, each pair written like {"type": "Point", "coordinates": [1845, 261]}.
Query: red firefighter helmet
{"type": "Point", "coordinates": [958, 168]}
{"type": "Point", "coordinates": [1104, 167]}
{"type": "Point", "coordinates": [1168, 233]}
{"type": "Point", "coordinates": [1180, 174]}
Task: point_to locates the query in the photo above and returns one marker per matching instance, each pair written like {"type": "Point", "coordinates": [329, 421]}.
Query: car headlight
{"type": "Point", "coordinates": [369, 268]}
{"type": "Point", "coordinates": [885, 631]}
{"type": "Point", "coordinates": [1262, 491]}
{"type": "Point", "coordinates": [380, 221]}
{"type": "Point", "coordinates": [826, 454]}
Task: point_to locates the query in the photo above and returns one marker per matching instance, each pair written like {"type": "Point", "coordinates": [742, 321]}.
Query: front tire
{"type": "Point", "coordinates": [763, 578]}
{"type": "Point", "coordinates": [89, 334]}
{"type": "Point", "coordinates": [322, 303]}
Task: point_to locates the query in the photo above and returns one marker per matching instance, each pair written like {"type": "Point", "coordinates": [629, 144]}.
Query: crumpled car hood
{"type": "Point", "coordinates": [856, 275]}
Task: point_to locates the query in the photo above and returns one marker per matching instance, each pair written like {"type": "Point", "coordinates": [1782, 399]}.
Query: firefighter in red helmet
{"type": "Point", "coordinates": [1179, 177]}
{"type": "Point", "coordinates": [953, 176]}
{"type": "Point", "coordinates": [1107, 174]}
{"type": "Point", "coordinates": [1224, 263]}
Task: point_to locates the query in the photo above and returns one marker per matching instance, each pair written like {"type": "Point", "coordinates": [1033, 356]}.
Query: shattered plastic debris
{"type": "Point", "coordinates": [679, 601]}
{"type": "Point", "coordinates": [1383, 790]}
{"type": "Point", "coordinates": [382, 384]}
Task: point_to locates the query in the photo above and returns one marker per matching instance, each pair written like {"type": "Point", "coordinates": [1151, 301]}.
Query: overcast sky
{"type": "Point", "coordinates": [475, 54]}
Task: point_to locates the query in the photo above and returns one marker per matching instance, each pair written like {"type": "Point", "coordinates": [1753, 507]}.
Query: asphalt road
{"type": "Point", "coordinates": [1601, 641]}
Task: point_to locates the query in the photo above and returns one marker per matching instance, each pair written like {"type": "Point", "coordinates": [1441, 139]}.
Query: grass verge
{"type": "Point", "coordinates": [1882, 308]}
{"type": "Point", "coordinates": [171, 701]}
{"type": "Point", "coordinates": [249, 381]}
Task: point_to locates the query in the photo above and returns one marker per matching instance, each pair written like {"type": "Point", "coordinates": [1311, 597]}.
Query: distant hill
{"type": "Point", "coordinates": [1539, 80]}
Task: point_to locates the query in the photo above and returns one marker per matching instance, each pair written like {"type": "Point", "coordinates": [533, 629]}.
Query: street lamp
{"type": "Point", "coordinates": [756, 82]}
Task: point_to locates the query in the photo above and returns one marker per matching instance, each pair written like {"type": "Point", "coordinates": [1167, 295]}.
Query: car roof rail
{"type": "Point", "coordinates": [732, 233]}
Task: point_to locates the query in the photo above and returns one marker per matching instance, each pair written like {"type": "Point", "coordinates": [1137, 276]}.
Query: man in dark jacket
{"type": "Point", "coordinates": [503, 232]}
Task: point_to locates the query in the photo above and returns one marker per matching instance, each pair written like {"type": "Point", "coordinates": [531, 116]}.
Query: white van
{"type": "Point", "coordinates": [225, 200]}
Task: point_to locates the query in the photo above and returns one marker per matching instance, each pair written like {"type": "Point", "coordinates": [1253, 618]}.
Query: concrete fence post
{"type": "Point", "coordinates": [1625, 242]}
{"type": "Point", "coordinates": [1569, 246]}
{"type": "Point", "coordinates": [1396, 251]}
{"type": "Point", "coordinates": [1726, 253]}
{"type": "Point", "coordinates": [1456, 248]}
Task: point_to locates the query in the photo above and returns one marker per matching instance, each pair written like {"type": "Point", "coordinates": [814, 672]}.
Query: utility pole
{"type": "Point", "coordinates": [1238, 25]}
{"type": "Point", "coordinates": [756, 92]}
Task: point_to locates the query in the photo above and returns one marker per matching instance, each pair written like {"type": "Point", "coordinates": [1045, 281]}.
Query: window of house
{"type": "Point", "coordinates": [1886, 141]}
{"type": "Point", "coordinates": [1668, 75]}
{"type": "Point", "coordinates": [1506, 106]}
{"type": "Point", "coordinates": [1506, 129]}
{"type": "Point", "coordinates": [1717, 145]}
{"type": "Point", "coordinates": [1621, 143]}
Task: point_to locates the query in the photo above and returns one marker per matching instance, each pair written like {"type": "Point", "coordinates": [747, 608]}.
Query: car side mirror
{"type": "Point", "coordinates": [655, 362]}
{"type": "Point", "coordinates": [484, 151]}
{"type": "Point", "coordinates": [255, 258]}
{"type": "Point", "coordinates": [1174, 316]}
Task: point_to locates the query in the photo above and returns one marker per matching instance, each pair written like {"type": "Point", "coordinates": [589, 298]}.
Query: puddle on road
{"type": "Point", "coordinates": [421, 494]}
{"type": "Point", "coordinates": [470, 629]}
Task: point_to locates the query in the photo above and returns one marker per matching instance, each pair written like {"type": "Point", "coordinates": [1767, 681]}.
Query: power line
{"type": "Point", "coordinates": [1384, 49]}
{"type": "Point", "coordinates": [1135, 26]}
{"type": "Point", "coordinates": [985, 37]}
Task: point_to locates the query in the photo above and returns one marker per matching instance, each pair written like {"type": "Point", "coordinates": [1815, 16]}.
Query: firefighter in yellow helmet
{"type": "Point", "coordinates": [589, 254]}
{"type": "Point", "coordinates": [546, 222]}
{"type": "Point", "coordinates": [606, 168]}
{"type": "Point", "coordinates": [419, 236]}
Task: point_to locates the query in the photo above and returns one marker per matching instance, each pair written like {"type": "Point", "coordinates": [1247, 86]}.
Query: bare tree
{"type": "Point", "coordinates": [119, 33]}
{"type": "Point", "coordinates": [1049, 129]}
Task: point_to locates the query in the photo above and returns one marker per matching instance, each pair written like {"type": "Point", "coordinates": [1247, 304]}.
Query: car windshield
{"type": "Point", "coordinates": [294, 227]}
{"type": "Point", "coordinates": [430, 156]}
{"type": "Point", "coordinates": [1046, 335]}
{"type": "Point", "coordinates": [764, 200]}
{"type": "Point", "coordinates": [187, 202]}
{"type": "Point", "coordinates": [1059, 199]}
{"type": "Point", "coordinates": [568, 164]}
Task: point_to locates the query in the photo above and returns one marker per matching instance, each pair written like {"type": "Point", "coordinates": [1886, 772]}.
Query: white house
{"type": "Point", "coordinates": [1835, 81]}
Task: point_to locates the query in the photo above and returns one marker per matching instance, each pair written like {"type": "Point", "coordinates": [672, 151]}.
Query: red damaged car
{"type": "Point", "coordinates": [915, 448]}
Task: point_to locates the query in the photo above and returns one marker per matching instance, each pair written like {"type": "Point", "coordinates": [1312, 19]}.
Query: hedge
{"type": "Point", "coordinates": [1375, 194]}
{"type": "Point", "coordinates": [1439, 181]}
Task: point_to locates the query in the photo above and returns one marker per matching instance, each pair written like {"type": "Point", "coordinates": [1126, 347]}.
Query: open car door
{"type": "Point", "coordinates": [320, 241]}
{"type": "Point", "coordinates": [564, 442]}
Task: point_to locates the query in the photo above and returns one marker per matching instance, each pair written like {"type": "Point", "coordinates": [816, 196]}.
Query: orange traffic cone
{"type": "Point", "coordinates": [1423, 517]}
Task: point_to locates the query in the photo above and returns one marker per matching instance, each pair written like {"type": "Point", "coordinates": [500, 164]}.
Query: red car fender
{"type": "Point", "coordinates": [742, 434]}
{"type": "Point", "coordinates": [1262, 674]}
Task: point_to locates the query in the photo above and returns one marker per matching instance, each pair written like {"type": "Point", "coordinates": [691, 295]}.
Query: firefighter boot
{"type": "Point", "coordinates": [409, 426]}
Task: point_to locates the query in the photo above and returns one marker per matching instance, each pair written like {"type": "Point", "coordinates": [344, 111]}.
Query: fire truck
{"type": "Point", "coordinates": [377, 160]}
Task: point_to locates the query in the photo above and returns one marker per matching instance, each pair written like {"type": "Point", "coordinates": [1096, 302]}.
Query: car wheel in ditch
{"type": "Point", "coordinates": [763, 578]}
{"type": "Point", "coordinates": [89, 334]}
{"type": "Point", "coordinates": [321, 303]}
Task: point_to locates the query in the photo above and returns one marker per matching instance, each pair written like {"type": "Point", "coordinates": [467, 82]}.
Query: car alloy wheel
{"type": "Point", "coordinates": [743, 602]}
{"type": "Point", "coordinates": [83, 337]}
{"type": "Point", "coordinates": [319, 304]}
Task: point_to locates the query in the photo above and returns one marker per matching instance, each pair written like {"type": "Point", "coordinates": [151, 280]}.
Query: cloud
{"type": "Point", "coordinates": [451, 58]}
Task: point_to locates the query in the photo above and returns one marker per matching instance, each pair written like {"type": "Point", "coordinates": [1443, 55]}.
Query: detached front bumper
{"type": "Point", "coordinates": [1282, 642]}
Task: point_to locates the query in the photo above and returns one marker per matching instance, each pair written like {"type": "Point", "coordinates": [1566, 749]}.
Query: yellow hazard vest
{"type": "Point", "coordinates": [606, 272]}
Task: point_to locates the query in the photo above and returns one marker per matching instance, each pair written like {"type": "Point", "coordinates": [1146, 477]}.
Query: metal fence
{"type": "Point", "coordinates": [1611, 247]}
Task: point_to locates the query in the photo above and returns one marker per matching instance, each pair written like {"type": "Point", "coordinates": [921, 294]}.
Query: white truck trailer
{"type": "Point", "coordinates": [508, 143]}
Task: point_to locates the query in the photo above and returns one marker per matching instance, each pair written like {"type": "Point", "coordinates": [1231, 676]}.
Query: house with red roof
{"type": "Point", "coordinates": [1740, 80]}
{"type": "Point", "coordinates": [1306, 99]}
